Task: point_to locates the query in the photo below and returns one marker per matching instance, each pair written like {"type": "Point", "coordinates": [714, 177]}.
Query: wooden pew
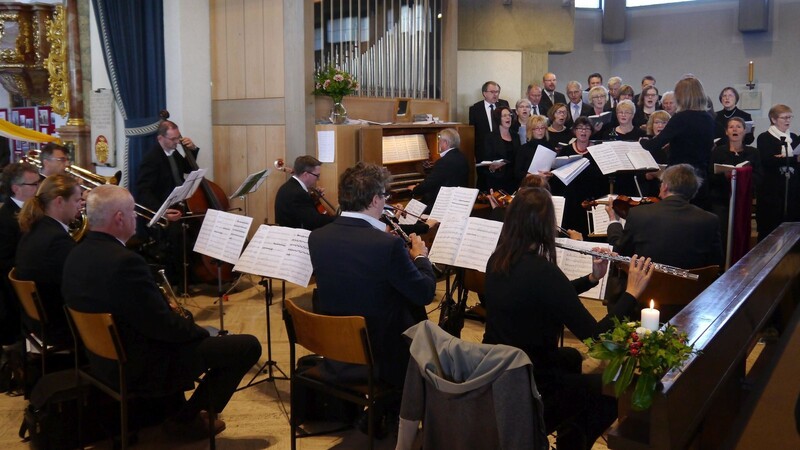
{"type": "Point", "coordinates": [702, 405]}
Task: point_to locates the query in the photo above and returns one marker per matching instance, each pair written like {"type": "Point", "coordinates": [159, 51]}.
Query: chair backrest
{"type": "Point", "coordinates": [28, 297]}
{"type": "Point", "coordinates": [474, 281]}
{"type": "Point", "coordinates": [99, 334]}
{"type": "Point", "coordinates": [341, 338]}
{"type": "Point", "coordinates": [675, 291]}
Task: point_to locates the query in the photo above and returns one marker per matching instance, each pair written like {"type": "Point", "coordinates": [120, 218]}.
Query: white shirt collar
{"type": "Point", "coordinates": [305, 188]}
{"type": "Point", "coordinates": [377, 224]}
{"type": "Point", "coordinates": [441, 155]}
{"type": "Point", "coordinates": [486, 104]}
{"type": "Point", "coordinates": [19, 203]}
{"type": "Point", "coordinates": [168, 152]}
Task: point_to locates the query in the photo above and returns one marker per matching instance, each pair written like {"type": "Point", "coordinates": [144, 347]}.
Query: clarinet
{"type": "Point", "coordinates": [663, 268]}
{"type": "Point", "coordinates": [396, 227]}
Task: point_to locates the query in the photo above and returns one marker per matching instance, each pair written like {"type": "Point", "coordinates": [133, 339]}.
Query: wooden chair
{"type": "Point", "coordinates": [672, 293]}
{"type": "Point", "coordinates": [99, 335]}
{"type": "Point", "coordinates": [339, 338]}
{"type": "Point", "coordinates": [32, 308]}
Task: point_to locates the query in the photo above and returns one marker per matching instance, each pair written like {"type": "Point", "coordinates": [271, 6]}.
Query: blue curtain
{"type": "Point", "coordinates": [132, 36]}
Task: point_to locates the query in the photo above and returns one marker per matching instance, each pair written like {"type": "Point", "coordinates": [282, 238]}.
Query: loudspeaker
{"type": "Point", "coordinates": [753, 15]}
{"type": "Point", "coordinates": [614, 21]}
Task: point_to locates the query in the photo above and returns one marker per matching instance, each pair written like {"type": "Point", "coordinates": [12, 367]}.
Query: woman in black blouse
{"type": "Point", "coordinates": [502, 146]}
{"type": "Point", "coordinates": [536, 135]}
{"type": "Point", "coordinates": [729, 97]}
{"type": "Point", "coordinates": [558, 133]}
{"type": "Point", "coordinates": [529, 300]}
{"type": "Point", "coordinates": [776, 147]}
{"type": "Point", "coordinates": [648, 104]}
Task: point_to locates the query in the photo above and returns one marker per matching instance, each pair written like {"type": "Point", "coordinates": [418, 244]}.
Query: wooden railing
{"type": "Point", "coordinates": [698, 406]}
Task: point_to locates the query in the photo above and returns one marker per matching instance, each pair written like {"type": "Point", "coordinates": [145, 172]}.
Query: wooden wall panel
{"type": "Point", "coordinates": [275, 148]}
{"type": "Point", "coordinates": [257, 160]}
{"type": "Point", "coordinates": [219, 68]}
{"type": "Point", "coordinates": [273, 27]}
{"type": "Point", "coordinates": [254, 42]}
{"type": "Point", "coordinates": [221, 162]}
{"type": "Point", "coordinates": [235, 51]}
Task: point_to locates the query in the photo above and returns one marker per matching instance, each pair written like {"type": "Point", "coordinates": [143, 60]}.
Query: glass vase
{"type": "Point", "coordinates": [338, 113]}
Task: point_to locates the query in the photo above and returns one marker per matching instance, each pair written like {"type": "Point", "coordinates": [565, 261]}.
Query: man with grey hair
{"type": "Point", "coordinates": [451, 169]}
{"type": "Point", "coordinates": [534, 94]}
{"type": "Point", "coordinates": [576, 108]}
{"type": "Point", "coordinates": [614, 83]}
{"type": "Point", "coordinates": [481, 116]}
{"type": "Point", "coordinates": [166, 351]}
{"type": "Point", "coordinates": [672, 231]}
{"type": "Point", "coordinates": [520, 123]}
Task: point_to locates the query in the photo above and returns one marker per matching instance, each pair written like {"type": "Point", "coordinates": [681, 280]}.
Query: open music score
{"type": "Point", "coordinates": [222, 235]}
{"type": "Point", "coordinates": [278, 252]}
{"type": "Point", "coordinates": [415, 208]}
{"type": "Point", "coordinates": [411, 147]}
{"type": "Point", "coordinates": [575, 265]}
{"type": "Point", "coordinates": [466, 243]}
{"type": "Point", "coordinates": [250, 184]}
{"type": "Point", "coordinates": [179, 194]}
{"type": "Point", "coordinates": [614, 156]}
{"type": "Point", "coordinates": [453, 203]}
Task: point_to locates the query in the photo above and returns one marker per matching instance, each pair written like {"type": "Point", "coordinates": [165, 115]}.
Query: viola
{"type": "Point", "coordinates": [621, 204]}
{"type": "Point", "coordinates": [501, 197]}
{"type": "Point", "coordinates": [321, 203]}
{"type": "Point", "coordinates": [209, 196]}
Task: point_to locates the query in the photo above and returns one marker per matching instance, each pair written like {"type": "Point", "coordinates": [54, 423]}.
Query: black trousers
{"type": "Point", "coordinates": [226, 360]}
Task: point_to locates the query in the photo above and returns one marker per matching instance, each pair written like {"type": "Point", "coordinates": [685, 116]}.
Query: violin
{"type": "Point", "coordinates": [501, 197]}
{"type": "Point", "coordinates": [621, 204]}
{"type": "Point", "coordinates": [322, 204]}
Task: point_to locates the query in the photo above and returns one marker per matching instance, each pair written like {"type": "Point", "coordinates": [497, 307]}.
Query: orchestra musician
{"type": "Point", "coordinates": [451, 169]}
{"type": "Point", "coordinates": [54, 158]}
{"type": "Point", "coordinates": [363, 271]}
{"type": "Point", "coordinates": [163, 168]}
{"type": "Point", "coordinates": [294, 205]}
{"type": "Point", "coordinates": [45, 244]}
{"type": "Point", "coordinates": [529, 300]}
{"type": "Point", "coordinates": [165, 351]}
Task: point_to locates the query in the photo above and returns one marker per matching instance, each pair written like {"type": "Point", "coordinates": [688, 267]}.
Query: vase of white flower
{"type": "Point", "coordinates": [338, 113]}
{"type": "Point", "coordinates": [336, 84]}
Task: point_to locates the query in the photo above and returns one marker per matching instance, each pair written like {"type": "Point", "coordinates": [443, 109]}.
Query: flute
{"type": "Point", "coordinates": [663, 268]}
{"type": "Point", "coordinates": [397, 208]}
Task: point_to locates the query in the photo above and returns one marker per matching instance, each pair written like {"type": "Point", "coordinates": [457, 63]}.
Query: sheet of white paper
{"type": "Point", "coordinates": [558, 204]}
{"type": "Point", "coordinates": [326, 145]}
{"type": "Point", "coordinates": [542, 160]}
{"type": "Point", "coordinates": [575, 265]}
{"type": "Point", "coordinates": [448, 238]}
{"type": "Point", "coordinates": [453, 203]}
{"type": "Point", "coordinates": [414, 207]}
{"type": "Point", "coordinates": [478, 243]}
{"type": "Point", "coordinates": [222, 235]}
{"type": "Point", "coordinates": [278, 252]}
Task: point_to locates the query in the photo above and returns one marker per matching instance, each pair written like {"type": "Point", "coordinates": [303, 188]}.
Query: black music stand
{"type": "Point", "coordinates": [269, 365]}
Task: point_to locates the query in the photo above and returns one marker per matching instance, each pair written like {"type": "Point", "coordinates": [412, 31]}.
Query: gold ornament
{"type": "Point", "coordinates": [57, 61]}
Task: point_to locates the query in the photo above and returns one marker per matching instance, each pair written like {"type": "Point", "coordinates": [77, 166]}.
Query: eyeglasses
{"type": "Point", "coordinates": [621, 112]}
{"type": "Point", "coordinates": [543, 127]}
{"type": "Point", "coordinates": [659, 122]}
{"type": "Point", "coordinates": [651, 95]}
{"type": "Point", "coordinates": [560, 112]}
{"type": "Point", "coordinates": [786, 117]}
{"type": "Point", "coordinates": [29, 184]}
{"type": "Point", "coordinates": [596, 97]}
{"type": "Point", "coordinates": [315, 174]}
{"type": "Point", "coordinates": [385, 195]}
{"type": "Point", "coordinates": [53, 158]}
{"type": "Point", "coordinates": [583, 129]}
{"type": "Point", "coordinates": [493, 92]}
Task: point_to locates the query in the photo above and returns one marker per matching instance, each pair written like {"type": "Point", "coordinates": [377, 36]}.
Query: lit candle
{"type": "Point", "coordinates": [750, 71]}
{"type": "Point", "coordinates": [650, 317]}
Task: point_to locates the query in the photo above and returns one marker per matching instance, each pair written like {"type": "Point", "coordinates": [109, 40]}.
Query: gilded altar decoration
{"type": "Point", "coordinates": [23, 50]}
{"type": "Point", "coordinates": [632, 349]}
{"type": "Point", "coordinates": [101, 149]}
{"type": "Point", "coordinates": [57, 61]}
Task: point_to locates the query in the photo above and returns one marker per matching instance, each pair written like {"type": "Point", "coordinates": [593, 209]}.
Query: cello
{"type": "Point", "coordinates": [209, 196]}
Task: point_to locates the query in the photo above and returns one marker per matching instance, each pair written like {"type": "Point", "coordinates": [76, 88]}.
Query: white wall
{"type": "Point", "coordinates": [701, 38]}
{"type": "Point", "coordinates": [476, 67]}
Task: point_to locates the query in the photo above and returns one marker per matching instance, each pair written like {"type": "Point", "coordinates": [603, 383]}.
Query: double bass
{"type": "Point", "coordinates": [209, 196]}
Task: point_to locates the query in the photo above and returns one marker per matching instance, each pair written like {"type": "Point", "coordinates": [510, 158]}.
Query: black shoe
{"type": "Point", "coordinates": [477, 312]}
{"type": "Point", "coordinates": [380, 428]}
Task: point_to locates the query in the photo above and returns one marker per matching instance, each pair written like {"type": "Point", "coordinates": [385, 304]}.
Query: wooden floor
{"type": "Point", "coordinates": [256, 417]}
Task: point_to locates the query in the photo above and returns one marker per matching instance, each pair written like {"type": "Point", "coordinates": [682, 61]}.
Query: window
{"type": "Point", "coordinates": [595, 4]}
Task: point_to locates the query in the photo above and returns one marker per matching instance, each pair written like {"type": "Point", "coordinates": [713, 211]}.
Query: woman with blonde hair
{"type": "Point", "coordinates": [689, 133]}
{"type": "Point", "coordinates": [45, 244]}
{"type": "Point", "coordinates": [536, 134]}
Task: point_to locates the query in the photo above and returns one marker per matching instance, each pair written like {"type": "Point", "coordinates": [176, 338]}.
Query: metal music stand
{"type": "Point", "coordinates": [269, 365]}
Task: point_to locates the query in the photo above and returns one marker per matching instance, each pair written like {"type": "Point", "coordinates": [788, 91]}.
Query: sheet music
{"type": "Point", "coordinates": [278, 252]}
{"type": "Point", "coordinates": [222, 235]}
{"type": "Point", "coordinates": [467, 243]}
{"type": "Point", "coordinates": [613, 156]}
{"type": "Point", "coordinates": [171, 199]}
{"type": "Point", "coordinates": [642, 159]}
{"type": "Point", "coordinates": [250, 184]}
{"type": "Point", "coordinates": [405, 148]}
{"type": "Point", "coordinates": [569, 172]}
{"type": "Point", "coordinates": [478, 243]}
{"type": "Point", "coordinates": [575, 265]}
{"type": "Point", "coordinates": [414, 207]}
{"type": "Point", "coordinates": [599, 221]}
{"type": "Point", "coordinates": [453, 203]}
{"type": "Point", "coordinates": [326, 145]}
{"type": "Point", "coordinates": [542, 160]}
{"type": "Point", "coordinates": [179, 193]}
{"type": "Point", "coordinates": [558, 204]}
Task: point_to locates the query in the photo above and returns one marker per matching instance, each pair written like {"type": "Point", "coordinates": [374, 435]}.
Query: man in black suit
{"type": "Point", "coordinates": [451, 169]}
{"type": "Point", "coordinates": [45, 244]}
{"type": "Point", "coordinates": [549, 94]}
{"type": "Point", "coordinates": [481, 117]}
{"type": "Point", "coordinates": [19, 183]}
{"type": "Point", "coordinates": [614, 83]}
{"type": "Point", "coordinates": [54, 159]}
{"type": "Point", "coordinates": [362, 270]}
{"type": "Point", "coordinates": [294, 206]}
{"type": "Point", "coordinates": [672, 231]}
{"type": "Point", "coordinates": [163, 168]}
{"type": "Point", "coordinates": [165, 351]}
{"type": "Point", "coordinates": [534, 94]}
{"type": "Point", "coordinates": [576, 108]}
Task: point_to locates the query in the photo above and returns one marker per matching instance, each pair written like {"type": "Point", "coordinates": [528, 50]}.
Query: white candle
{"type": "Point", "coordinates": [650, 317]}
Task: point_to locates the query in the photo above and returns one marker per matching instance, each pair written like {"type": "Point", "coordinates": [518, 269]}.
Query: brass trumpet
{"type": "Point", "coordinates": [89, 181]}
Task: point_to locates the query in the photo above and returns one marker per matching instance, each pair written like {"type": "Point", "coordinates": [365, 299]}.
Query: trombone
{"type": "Point", "coordinates": [91, 180]}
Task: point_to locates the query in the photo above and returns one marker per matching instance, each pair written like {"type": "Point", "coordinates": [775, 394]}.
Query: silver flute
{"type": "Point", "coordinates": [663, 268]}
